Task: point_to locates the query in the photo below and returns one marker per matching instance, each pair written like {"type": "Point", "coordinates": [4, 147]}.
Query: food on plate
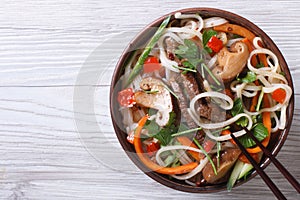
{"type": "Point", "coordinates": [194, 83]}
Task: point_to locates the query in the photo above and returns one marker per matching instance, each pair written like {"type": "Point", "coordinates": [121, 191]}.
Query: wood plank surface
{"type": "Point", "coordinates": [52, 110]}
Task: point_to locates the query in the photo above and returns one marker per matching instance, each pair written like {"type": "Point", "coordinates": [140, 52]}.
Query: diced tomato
{"type": "Point", "coordinates": [215, 44]}
{"type": "Point", "coordinates": [130, 137]}
{"type": "Point", "coordinates": [126, 97]}
{"type": "Point", "coordinates": [152, 147]}
{"type": "Point", "coordinates": [279, 95]}
{"type": "Point", "coordinates": [151, 64]}
{"type": "Point", "coordinates": [208, 145]}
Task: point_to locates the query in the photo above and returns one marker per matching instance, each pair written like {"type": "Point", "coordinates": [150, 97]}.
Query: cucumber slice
{"type": "Point", "coordinates": [235, 174]}
{"type": "Point", "coordinates": [245, 170]}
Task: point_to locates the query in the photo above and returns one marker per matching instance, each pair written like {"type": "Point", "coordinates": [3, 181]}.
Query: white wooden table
{"type": "Point", "coordinates": [56, 62]}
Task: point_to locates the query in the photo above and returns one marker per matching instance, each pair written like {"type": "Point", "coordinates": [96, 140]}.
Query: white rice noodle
{"type": "Point", "coordinates": [183, 158]}
{"type": "Point", "coordinates": [274, 87]}
{"type": "Point", "coordinates": [238, 88]}
{"type": "Point", "coordinates": [181, 147]}
{"type": "Point", "coordinates": [136, 82]}
{"type": "Point", "coordinates": [206, 86]}
{"type": "Point", "coordinates": [255, 42]}
{"type": "Point", "coordinates": [232, 41]}
{"type": "Point", "coordinates": [194, 171]}
{"type": "Point", "coordinates": [212, 62]}
{"type": "Point", "coordinates": [277, 107]}
{"type": "Point", "coordinates": [189, 33]}
{"type": "Point", "coordinates": [274, 129]}
{"type": "Point", "coordinates": [252, 87]}
{"type": "Point", "coordinates": [228, 137]}
{"type": "Point", "coordinates": [214, 21]}
{"type": "Point", "coordinates": [249, 94]}
{"type": "Point", "coordinates": [179, 15]}
{"type": "Point", "coordinates": [172, 148]}
{"type": "Point", "coordinates": [226, 104]}
{"type": "Point", "coordinates": [264, 81]}
{"type": "Point", "coordinates": [218, 125]}
{"type": "Point", "coordinates": [282, 121]}
{"type": "Point", "coordinates": [272, 68]}
{"type": "Point", "coordinates": [173, 36]}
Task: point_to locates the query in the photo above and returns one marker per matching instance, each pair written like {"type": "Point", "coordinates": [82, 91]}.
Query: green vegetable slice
{"type": "Point", "coordinates": [259, 131]}
{"type": "Point", "coordinates": [237, 109]}
{"type": "Point", "coordinates": [139, 64]}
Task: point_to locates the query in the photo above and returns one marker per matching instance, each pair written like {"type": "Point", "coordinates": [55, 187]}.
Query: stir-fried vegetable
{"type": "Point", "coordinates": [151, 64]}
{"type": "Point", "coordinates": [139, 64]}
{"type": "Point", "coordinates": [215, 44]}
{"type": "Point", "coordinates": [149, 163]}
{"type": "Point", "coordinates": [279, 95]}
{"type": "Point", "coordinates": [235, 29]}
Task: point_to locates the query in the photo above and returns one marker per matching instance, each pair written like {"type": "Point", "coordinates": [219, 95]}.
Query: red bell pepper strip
{"type": "Point", "coordinates": [151, 64]}
{"type": "Point", "coordinates": [215, 44]}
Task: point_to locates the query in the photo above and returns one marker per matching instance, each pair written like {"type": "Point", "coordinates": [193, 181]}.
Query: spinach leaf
{"type": "Point", "coordinates": [207, 34]}
{"type": "Point", "coordinates": [259, 131]}
{"type": "Point", "coordinates": [237, 109]}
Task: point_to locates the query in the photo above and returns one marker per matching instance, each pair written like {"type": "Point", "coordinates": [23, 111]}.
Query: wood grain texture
{"type": "Point", "coordinates": [46, 45]}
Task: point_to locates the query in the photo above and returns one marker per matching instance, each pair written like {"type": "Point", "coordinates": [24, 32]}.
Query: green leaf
{"type": "Point", "coordinates": [259, 131]}
{"type": "Point", "coordinates": [243, 121]}
{"type": "Point", "coordinates": [207, 35]}
{"type": "Point", "coordinates": [139, 64]}
{"type": "Point", "coordinates": [189, 50]}
{"type": "Point", "coordinates": [249, 78]}
{"type": "Point", "coordinates": [208, 50]}
{"type": "Point", "coordinates": [152, 127]}
{"type": "Point", "coordinates": [237, 109]}
{"type": "Point", "coordinates": [164, 135]}
{"type": "Point", "coordinates": [260, 65]}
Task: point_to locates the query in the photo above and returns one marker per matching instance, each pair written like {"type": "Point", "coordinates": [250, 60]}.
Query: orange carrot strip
{"type": "Point", "coordinates": [263, 59]}
{"type": "Point", "coordinates": [250, 48]}
{"type": "Point", "coordinates": [149, 163]}
{"type": "Point", "coordinates": [267, 123]}
{"type": "Point", "coordinates": [187, 142]}
{"type": "Point", "coordinates": [235, 29]}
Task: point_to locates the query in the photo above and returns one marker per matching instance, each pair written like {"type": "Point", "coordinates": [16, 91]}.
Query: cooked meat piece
{"type": "Point", "coordinates": [227, 160]}
{"type": "Point", "coordinates": [182, 102]}
{"type": "Point", "coordinates": [193, 84]}
{"type": "Point", "coordinates": [192, 89]}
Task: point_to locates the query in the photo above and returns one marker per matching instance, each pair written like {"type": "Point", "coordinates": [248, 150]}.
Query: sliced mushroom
{"type": "Point", "coordinates": [231, 63]}
{"type": "Point", "coordinates": [158, 98]}
{"type": "Point", "coordinates": [227, 160]}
